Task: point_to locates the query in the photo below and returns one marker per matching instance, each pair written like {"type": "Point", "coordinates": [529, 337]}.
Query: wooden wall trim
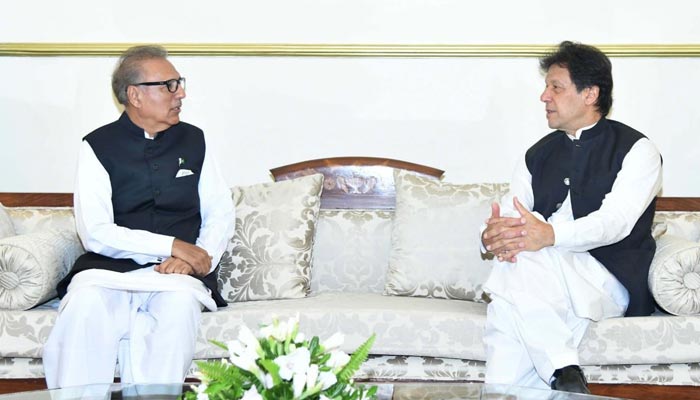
{"type": "Point", "coordinates": [36, 199]}
{"type": "Point", "coordinates": [9, 199]}
{"type": "Point", "coordinates": [53, 49]}
{"type": "Point", "coordinates": [678, 204]}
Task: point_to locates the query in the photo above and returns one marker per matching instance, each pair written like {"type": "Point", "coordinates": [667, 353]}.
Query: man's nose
{"type": "Point", "coordinates": [180, 92]}
{"type": "Point", "coordinates": [545, 96]}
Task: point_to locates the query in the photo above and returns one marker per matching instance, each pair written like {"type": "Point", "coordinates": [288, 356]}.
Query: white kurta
{"type": "Point", "coordinates": [145, 320]}
{"type": "Point", "coordinates": [542, 303]}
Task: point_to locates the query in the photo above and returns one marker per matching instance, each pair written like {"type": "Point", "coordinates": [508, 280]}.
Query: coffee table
{"type": "Point", "coordinates": [386, 391]}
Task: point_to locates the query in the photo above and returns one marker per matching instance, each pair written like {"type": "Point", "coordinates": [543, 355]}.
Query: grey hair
{"type": "Point", "coordinates": [128, 70]}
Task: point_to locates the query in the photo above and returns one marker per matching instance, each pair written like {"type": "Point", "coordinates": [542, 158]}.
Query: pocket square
{"type": "Point", "coordinates": [183, 172]}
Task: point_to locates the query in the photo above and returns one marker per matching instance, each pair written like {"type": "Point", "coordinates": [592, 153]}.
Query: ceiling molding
{"type": "Point", "coordinates": [339, 50]}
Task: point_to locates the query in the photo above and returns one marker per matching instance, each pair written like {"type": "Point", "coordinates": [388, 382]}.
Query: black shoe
{"type": "Point", "coordinates": [570, 379]}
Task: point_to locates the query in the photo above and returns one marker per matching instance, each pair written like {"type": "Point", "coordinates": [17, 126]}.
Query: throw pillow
{"type": "Point", "coordinates": [435, 238]}
{"type": "Point", "coordinates": [269, 255]}
{"type": "Point", "coordinates": [674, 275]}
{"type": "Point", "coordinates": [32, 264]}
{"type": "Point", "coordinates": [351, 251]}
{"type": "Point", "coordinates": [7, 229]}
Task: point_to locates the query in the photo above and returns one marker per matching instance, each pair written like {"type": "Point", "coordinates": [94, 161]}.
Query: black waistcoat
{"type": "Point", "coordinates": [588, 167]}
{"type": "Point", "coordinates": [146, 194]}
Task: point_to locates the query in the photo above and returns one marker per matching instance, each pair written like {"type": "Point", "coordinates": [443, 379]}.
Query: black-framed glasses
{"type": "Point", "coordinates": [171, 84]}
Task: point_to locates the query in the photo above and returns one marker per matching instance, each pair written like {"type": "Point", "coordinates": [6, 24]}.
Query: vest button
{"type": "Point", "coordinates": [558, 206]}
{"type": "Point", "coordinates": [156, 193]}
{"type": "Point", "coordinates": [155, 167]}
{"type": "Point", "coordinates": [567, 181]}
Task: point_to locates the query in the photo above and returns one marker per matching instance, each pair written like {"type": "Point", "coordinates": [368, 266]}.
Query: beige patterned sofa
{"type": "Point", "coordinates": [418, 338]}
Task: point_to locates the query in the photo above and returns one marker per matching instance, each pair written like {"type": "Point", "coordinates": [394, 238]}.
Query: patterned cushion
{"type": "Point", "coordinates": [674, 275]}
{"type": "Point", "coordinates": [685, 224]}
{"type": "Point", "coordinates": [351, 251]}
{"type": "Point", "coordinates": [435, 239]}
{"type": "Point", "coordinates": [34, 219]}
{"type": "Point", "coordinates": [419, 326]}
{"type": "Point", "coordinates": [31, 265]}
{"type": "Point", "coordinates": [6, 227]}
{"type": "Point", "coordinates": [269, 255]}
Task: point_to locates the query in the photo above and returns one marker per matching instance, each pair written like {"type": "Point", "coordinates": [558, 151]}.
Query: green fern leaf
{"type": "Point", "coordinates": [356, 360]}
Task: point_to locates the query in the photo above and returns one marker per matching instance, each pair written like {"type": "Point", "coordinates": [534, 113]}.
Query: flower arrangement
{"type": "Point", "coordinates": [280, 363]}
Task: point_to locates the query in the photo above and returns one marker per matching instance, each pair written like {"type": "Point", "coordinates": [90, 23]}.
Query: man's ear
{"type": "Point", "coordinates": [133, 96]}
{"type": "Point", "coordinates": [592, 94]}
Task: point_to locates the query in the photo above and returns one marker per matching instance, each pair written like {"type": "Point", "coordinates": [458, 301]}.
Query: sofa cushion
{"type": "Point", "coordinates": [269, 255]}
{"type": "Point", "coordinates": [685, 224]}
{"type": "Point", "coordinates": [351, 251]}
{"type": "Point", "coordinates": [419, 326]}
{"type": "Point", "coordinates": [34, 219]}
{"type": "Point", "coordinates": [435, 238]}
{"type": "Point", "coordinates": [404, 326]}
{"type": "Point", "coordinates": [6, 227]}
{"type": "Point", "coordinates": [32, 264]}
{"type": "Point", "coordinates": [674, 275]}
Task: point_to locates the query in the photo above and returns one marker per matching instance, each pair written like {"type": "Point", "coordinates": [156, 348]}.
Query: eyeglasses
{"type": "Point", "coordinates": [171, 84]}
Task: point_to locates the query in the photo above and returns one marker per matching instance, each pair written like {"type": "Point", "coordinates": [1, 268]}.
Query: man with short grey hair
{"type": "Point", "coordinates": [154, 214]}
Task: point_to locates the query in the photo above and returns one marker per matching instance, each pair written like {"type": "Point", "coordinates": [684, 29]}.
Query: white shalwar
{"type": "Point", "coordinates": [542, 304]}
{"type": "Point", "coordinates": [145, 320]}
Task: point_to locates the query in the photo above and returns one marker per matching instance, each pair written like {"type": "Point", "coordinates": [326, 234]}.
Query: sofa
{"type": "Point", "coordinates": [354, 254]}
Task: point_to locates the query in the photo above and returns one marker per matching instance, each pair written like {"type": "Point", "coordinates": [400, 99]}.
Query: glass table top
{"type": "Point", "coordinates": [386, 391]}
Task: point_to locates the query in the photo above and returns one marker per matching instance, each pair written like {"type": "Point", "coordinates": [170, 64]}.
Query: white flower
{"type": "Point", "coordinates": [245, 361]}
{"type": "Point", "coordinates": [200, 389]}
{"type": "Point", "coordinates": [267, 381]}
{"type": "Point", "coordinates": [281, 330]}
{"type": "Point", "coordinates": [338, 359]}
{"type": "Point", "coordinates": [292, 369]}
{"type": "Point", "coordinates": [327, 379]}
{"type": "Point", "coordinates": [235, 348]}
{"type": "Point", "coordinates": [249, 340]}
{"type": "Point", "coordinates": [297, 362]}
{"type": "Point", "coordinates": [274, 331]}
{"type": "Point", "coordinates": [298, 383]}
{"type": "Point", "coordinates": [333, 342]}
{"type": "Point", "coordinates": [311, 376]}
{"type": "Point", "coordinates": [251, 394]}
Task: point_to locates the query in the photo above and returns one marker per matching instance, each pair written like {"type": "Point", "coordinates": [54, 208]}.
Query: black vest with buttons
{"type": "Point", "coordinates": [587, 167]}
{"type": "Point", "coordinates": [146, 194]}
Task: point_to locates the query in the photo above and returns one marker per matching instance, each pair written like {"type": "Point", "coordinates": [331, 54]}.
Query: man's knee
{"type": "Point", "coordinates": [88, 301]}
{"type": "Point", "coordinates": [176, 308]}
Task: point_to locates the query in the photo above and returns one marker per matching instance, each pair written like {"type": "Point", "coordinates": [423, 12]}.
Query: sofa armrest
{"type": "Point", "coordinates": [32, 264]}
{"type": "Point", "coordinates": [674, 275]}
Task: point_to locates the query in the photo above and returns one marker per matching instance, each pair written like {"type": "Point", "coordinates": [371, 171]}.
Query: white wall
{"type": "Point", "coordinates": [469, 116]}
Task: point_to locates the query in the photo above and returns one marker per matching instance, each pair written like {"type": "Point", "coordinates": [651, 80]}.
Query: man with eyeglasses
{"type": "Point", "coordinates": [154, 215]}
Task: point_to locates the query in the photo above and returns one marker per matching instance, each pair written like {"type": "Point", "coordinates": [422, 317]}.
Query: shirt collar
{"type": "Point", "coordinates": [577, 134]}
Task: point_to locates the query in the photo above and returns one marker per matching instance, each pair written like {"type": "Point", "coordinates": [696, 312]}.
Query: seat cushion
{"type": "Point", "coordinates": [437, 327]}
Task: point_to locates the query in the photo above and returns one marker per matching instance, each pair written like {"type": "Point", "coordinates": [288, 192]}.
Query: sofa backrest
{"type": "Point", "coordinates": [353, 237]}
{"type": "Point", "coordinates": [353, 233]}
